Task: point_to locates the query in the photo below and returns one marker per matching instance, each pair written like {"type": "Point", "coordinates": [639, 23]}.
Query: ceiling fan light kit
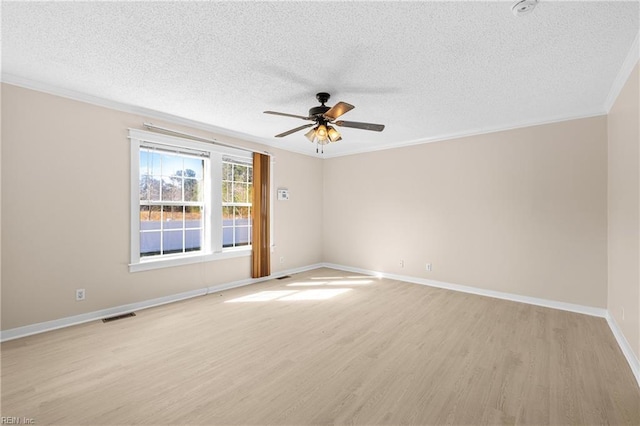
{"type": "Point", "coordinates": [334, 135]}
{"type": "Point", "coordinates": [311, 135]}
{"type": "Point", "coordinates": [323, 116]}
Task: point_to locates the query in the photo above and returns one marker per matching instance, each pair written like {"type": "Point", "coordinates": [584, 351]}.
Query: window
{"type": "Point", "coordinates": [237, 192]}
{"type": "Point", "coordinates": [190, 201]}
{"type": "Point", "coordinates": [171, 201]}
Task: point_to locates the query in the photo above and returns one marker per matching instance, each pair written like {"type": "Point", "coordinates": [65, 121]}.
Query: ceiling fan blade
{"type": "Point", "coordinates": [288, 115]}
{"type": "Point", "coordinates": [337, 110]}
{"type": "Point", "coordinates": [358, 125]}
{"type": "Point", "coordinates": [297, 129]}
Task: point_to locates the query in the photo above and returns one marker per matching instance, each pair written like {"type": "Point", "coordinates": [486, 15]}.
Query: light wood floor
{"type": "Point", "coordinates": [381, 352]}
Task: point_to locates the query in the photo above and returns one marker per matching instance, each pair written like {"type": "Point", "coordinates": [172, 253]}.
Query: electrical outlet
{"type": "Point", "coordinates": [281, 259]}
{"type": "Point", "coordinates": [429, 267]}
{"type": "Point", "coordinates": [80, 294]}
{"type": "Point", "coordinates": [402, 263]}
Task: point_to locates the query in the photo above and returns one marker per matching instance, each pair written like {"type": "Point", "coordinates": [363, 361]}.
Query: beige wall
{"type": "Point", "coordinates": [299, 219]}
{"type": "Point", "coordinates": [521, 211]}
{"type": "Point", "coordinates": [624, 211]}
{"type": "Point", "coordinates": [65, 212]}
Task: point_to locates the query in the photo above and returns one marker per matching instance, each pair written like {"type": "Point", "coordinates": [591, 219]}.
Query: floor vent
{"type": "Point", "coordinates": [117, 317]}
{"type": "Point", "coordinates": [283, 278]}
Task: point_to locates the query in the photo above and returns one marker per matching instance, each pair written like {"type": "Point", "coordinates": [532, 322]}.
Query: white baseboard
{"type": "Point", "coordinates": [581, 309]}
{"type": "Point", "coordinates": [27, 330]}
{"type": "Point", "coordinates": [625, 347]}
{"type": "Point", "coordinates": [42, 327]}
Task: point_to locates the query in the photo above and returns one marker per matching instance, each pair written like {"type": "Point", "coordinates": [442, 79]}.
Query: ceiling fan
{"type": "Point", "coordinates": [323, 117]}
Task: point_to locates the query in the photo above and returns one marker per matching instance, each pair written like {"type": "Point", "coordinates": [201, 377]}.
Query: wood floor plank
{"type": "Point", "coordinates": [382, 352]}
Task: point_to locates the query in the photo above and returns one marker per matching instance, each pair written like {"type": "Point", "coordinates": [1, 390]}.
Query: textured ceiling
{"type": "Point", "coordinates": [426, 70]}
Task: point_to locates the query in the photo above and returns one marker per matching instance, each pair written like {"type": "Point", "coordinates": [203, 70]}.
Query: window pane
{"type": "Point", "coordinates": [227, 216]}
{"type": "Point", "coordinates": [240, 193]}
{"type": "Point", "coordinates": [192, 240]}
{"type": "Point", "coordinates": [242, 216]}
{"type": "Point", "coordinates": [154, 163]}
{"type": "Point", "coordinates": [144, 186]}
{"type": "Point", "coordinates": [227, 171]}
{"type": "Point", "coordinates": [150, 162]}
{"type": "Point", "coordinates": [194, 167]}
{"type": "Point", "coordinates": [227, 237]}
{"type": "Point", "coordinates": [192, 190]}
{"type": "Point", "coordinates": [172, 165]}
{"type": "Point", "coordinates": [240, 173]}
{"type": "Point", "coordinates": [250, 174]}
{"type": "Point", "coordinates": [154, 192]}
{"type": "Point", "coordinates": [172, 241]}
{"type": "Point", "coordinates": [172, 217]}
{"type": "Point", "coordinates": [227, 195]}
{"type": "Point", "coordinates": [171, 188]}
{"type": "Point", "coordinates": [149, 188]}
{"type": "Point", "coordinates": [149, 243]}
{"type": "Point", "coordinates": [193, 217]}
{"type": "Point", "coordinates": [242, 235]}
{"type": "Point", "coordinates": [149, 217]}
{"type": "Point", "coordinates": [144, 161]}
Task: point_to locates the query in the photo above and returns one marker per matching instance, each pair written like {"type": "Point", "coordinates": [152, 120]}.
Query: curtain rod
{"type": "Point", "coordinates": [201, 139]}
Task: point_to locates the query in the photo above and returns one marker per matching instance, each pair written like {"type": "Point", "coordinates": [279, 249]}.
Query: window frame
{"type": "Point", "coordinates": [212, 236]}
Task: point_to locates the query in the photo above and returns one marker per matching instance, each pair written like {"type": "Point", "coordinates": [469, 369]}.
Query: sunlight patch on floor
{"type": "Point", "coordinates": [350, 277]}
{"type": "Point", "coordinates": [350, 282]}
{"type": "Point", "coordinates": [307, 283]}
{"type": "Point", "coordinates": [288, 295]}
{"type": "Point", "coordinates": [336, 282]}
{"type": "Point", "coordinates": [262, 296]}
{"type": "Point", "coordinates": [317, 294]}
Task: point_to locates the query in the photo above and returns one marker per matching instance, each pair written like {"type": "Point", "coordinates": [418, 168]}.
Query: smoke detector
{"type": "Point", "coordinates": [523, 7]}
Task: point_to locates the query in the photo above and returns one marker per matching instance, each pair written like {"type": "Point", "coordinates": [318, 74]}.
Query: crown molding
{"type": "Point", "coordinates": [476, 132]}
{"type": "Point", "coordinates": [132, 109]}
{"type": "Point", "coordinates": [623, 75]}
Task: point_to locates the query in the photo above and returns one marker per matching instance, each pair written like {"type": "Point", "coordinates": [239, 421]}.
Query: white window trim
{"type": "Point", "coordinates": [212, 247]}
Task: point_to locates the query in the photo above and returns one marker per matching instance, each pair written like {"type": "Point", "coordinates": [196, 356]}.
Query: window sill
{"type": "Point", "coordinates": [150, 264]}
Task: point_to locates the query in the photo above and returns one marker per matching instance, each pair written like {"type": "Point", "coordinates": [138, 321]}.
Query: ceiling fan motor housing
{"type": "Point", "coordinates": [318, 111]}
{"type": "Point", "coordinates": [322, 97]}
